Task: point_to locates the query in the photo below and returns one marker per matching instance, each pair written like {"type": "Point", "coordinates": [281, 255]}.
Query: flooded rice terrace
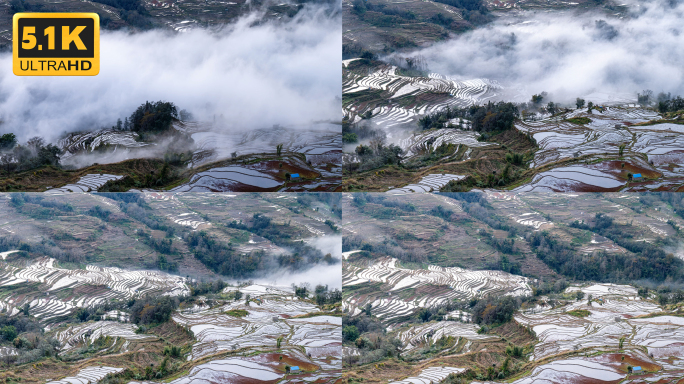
{"type": "Point", "coordinates": [313, 152]}
{"type": "Point", "coordinates": [68, 289]}
{"type": "Point", "coordinates": [410, 290]}
{"type": "Point", "coordinates": [398, 118]}
{"type": "Point", "coordinates": [580, 331]}
{"type": "Point", "coordinates": [394, 85]}
{"type": "Point", "coordinates": [310, 341]}
{"type": "Point", "coordinates": [619, 137]}
{"type": "Point", "coordinates": [617, 141]}
{"type": "Point", "coordinates": [618, 320]}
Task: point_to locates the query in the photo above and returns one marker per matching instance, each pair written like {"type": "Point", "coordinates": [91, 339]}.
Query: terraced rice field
{"type": "Point", "coordinates": [315, 140]}
{"type": "Point", "coordinates": [532, 219]}
{"type": "Point", "coordinates": [313, 343]}
{"type": "Point", "coordinates": [85, 142]}
{"type": "Point", "coordinates": [616, 312]}
{"type": "Point", "coordinates": [8, 351]}
{"type": "Point", "coordinates": [576, 349]}
{"type": "Point", "coordinates": [87, 183]}
{"type": "Point", "coordinates": [550, 211]}
{"type": "Point", "coordinates": [254, 174]}
{"type": "Point", "coordinates": [573, 178]}
{"type": "Point", "coordinates": [572, 156]}
{"type": "Point", "coordinates": [397, 88]}
{"type": "Point", "coordinates": [264, 368]}
{"type": "Point", "coordinates": [88, 375]}
{"type": "Point", "coordinates": [403, 100]}
{"type": "Point", "coordinates": [574, 371]}
{"type": "Point", "coordinates": [429, 183]}
{"type": "Point", "coordinates": [319, 144]}
{"type": "Point", "coordinates": [230, 178]}
{"type": "Point", "coordinates": [189, 219]}
{"type": "Point", "coordinates": [423, 335]}
{"type": "Point", "coordinates": [95, 285]}
{"type": "Point", "coordinates": [267, 319]}
{"type": "Point", "coordinates": [600, 243]}
{"type": "Point", "coordinates": [427, 141]}
{"type": "Point", "coordinates": [430, 375]}
{"type": "Point", "coordinates": [437, 285]}
{"type": "Point", "coordinates": [559, 138]}
{"type": "Point", "coordinates": [191, 209]}
{"type": "Point", "coordinates": [574, 341]}
{"type": "Point", "coordinates": [79, 335]}
{"type": "Point", "coordinates": [232, 370]}
{"type": "Point", "coordinates": [602, 368]}
{"type": "Point", "coordinates": [601, 138]}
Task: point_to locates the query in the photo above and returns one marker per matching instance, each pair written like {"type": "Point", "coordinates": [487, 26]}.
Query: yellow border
{"type": "Point", "coordinates": [94, 70]}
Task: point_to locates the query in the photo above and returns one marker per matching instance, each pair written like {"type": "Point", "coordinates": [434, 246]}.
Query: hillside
{"type": "Point", "coordinates": [136, 230]}
{"type": "Point", "coordinates": [416, 132]}
{"type": "Point", "coordinates": [511, 287]}
{"type": "Point", "coordinates": [140, 15]}
{"type": "Point", "coordinates": [124, 288]}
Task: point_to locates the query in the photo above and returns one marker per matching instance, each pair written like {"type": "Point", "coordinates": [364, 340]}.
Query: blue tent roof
{"type": "Point", "coordinates": [294, 175]}
{"type": "Point", "coordinates": [636, 369]}
{"type": "Point", "coordinates": [294, 368]}
{"type": "Point", "coordinates": [637, 175]}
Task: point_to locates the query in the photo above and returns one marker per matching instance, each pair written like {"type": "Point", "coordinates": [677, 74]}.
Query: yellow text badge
{"type": "Point", "coordinates": [56, 44]}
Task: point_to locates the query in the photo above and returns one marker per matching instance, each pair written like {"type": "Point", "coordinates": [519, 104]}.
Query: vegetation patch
{"type": "Point", "coordinates": [579, 120]}
{"type": "Point", "coordinates": [237, 313]}
{"type": "Point", "coordinates": [579, 313]}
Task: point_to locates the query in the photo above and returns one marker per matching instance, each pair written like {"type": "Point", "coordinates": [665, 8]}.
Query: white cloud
{"type": "Point", "coordinates": [328, 244]}
{"type": "Point", "coordinates": [330, 275]}
{"type": "Point", "coordinates": [255, 76]}
{"type": "Point", "coordinates": [570, 54]}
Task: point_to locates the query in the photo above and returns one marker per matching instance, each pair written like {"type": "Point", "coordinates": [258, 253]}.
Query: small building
{"type": "Point", "coordinates": [295, 369]}
{"type": "Point", "coordinates": [637, 177]}
{"type": "Point", "coordinates": [295, 177]}
{"type": "Point", "coordinates": [637, 370]}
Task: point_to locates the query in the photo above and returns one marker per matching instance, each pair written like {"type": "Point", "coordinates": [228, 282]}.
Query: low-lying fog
{"type": "Point", "coordinates": [322, 273]}
{"type": "Point", "coordinates": [283, 73]}
{"type": "Point", "coordinates": [570, 54]}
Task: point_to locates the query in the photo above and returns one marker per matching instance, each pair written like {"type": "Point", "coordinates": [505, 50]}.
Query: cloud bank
{"type": "Point", "coordinates": [330, 275]}
{"type": "Point", "coordinates": [569, 54]}
{"type": "Point", "coordinates": [285, 73]}
{"type": "Point", "coordinates": [331, 244]}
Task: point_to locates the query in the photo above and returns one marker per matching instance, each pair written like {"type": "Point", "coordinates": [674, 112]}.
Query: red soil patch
{"type": "Point", "coordinates": [614, 167]}
{"type": "Point", "coordinates": [272, 167]}
{"type": "Point", "coordinates": [287, 360]}
{"type": "Point", "coordinates": [629, 360]}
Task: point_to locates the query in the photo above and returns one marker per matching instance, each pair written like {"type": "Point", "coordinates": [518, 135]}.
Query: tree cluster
{"type": "Point", "coordinates": [153, 117]}
{"type": "Point", "coordinates": [34, 154]}
{"type": "Point", "coordinates": [153, 310]}
{"type": "Point", "coordinates": [495, 310]}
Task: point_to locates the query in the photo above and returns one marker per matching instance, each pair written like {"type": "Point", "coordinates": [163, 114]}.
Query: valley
{"type": "Point", "coordinates": [512, 287]}
{"type": "Point", "coordinates": [169, 287]}
{"type": "Point", "coordinates": [456, 95]}
{"type": "Point", "coordinates": [571, 150]}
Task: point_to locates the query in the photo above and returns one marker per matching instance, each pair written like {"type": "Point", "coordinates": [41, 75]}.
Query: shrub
{"type": "Point", "coordinates": [350, 333]}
